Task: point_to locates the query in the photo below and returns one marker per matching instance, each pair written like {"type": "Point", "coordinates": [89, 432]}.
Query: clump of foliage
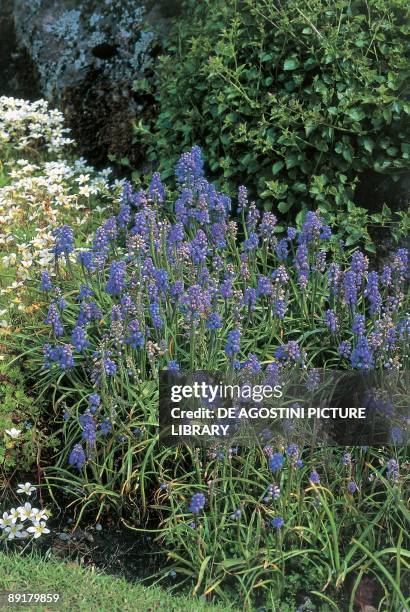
{"type": "Point", "coordinates": [21, 434]}
{"type": "Point", "coordinates": [295, 101]}
{"type": "Point", "coordinates": [182, 285]}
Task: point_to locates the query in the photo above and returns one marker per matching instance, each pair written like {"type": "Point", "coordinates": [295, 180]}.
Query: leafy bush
{"type": "Point", "coordinates": [184, 286]}
{"type": "Point", "coordinates": [293, 101]}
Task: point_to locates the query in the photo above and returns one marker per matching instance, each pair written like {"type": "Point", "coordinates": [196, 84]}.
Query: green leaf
{"type": "Point", "coordinates": [277, 167]}
{"type": "Point", "coordinates": [368, 144]}
{"type": "Point", "coordinates": [347, 155]}
{"type": "Point", "coordinates": [356, 114]}
{"type": "Point", "coordinates": [283, 207]}
{"type": "Point", "coordinates": [291, 63]}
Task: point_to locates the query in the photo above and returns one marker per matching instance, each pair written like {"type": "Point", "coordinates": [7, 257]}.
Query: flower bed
{"type": "Point", "coordinates": [185, 285]}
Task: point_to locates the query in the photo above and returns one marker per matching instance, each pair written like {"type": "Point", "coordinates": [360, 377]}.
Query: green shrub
{"type": "Point", "coordinates": [293, 100]}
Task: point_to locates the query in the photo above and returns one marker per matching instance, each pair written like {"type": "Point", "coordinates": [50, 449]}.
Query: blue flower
{"type": "Point", "coordinates": [236, 515]}
{"type": "Point", "coordinates": [352, 487]}
{"type": "Point", "coordinates": [277, 522]}
{"type": "Point", "coordinates": [176, 233]}
{"type": "Point", "coordinates": [267, 226]}
{"type": "Point", "coordinates": [214, 321]}
{"type": "Point", "coordinates": [276, 462]}
{"type": "Point", "coordinates": [252, 242]}
{"type": "Point", "coordinates": [197, 503]}
{"type": "Point", "coordinates": [314, 477]}
{"type": "Point", "coordinates": [350, 288]}
{"type": "Point", "coordinates": [64, 241]}
{"type": "Point", "coordinates": [331, 321]}
{"type": "Point", "coordinates": [53, 319]}
{"type": "Point", "coordinates": [252, 363]}
{"type": "Point", "coordinates": [116, 279]}
{"type": "Point", "coordinates": [124, 216]}
{"type": "Point", "coordinates": [62, 355]}
{"type": "Point", "coordinates": [85, 292]}
{"type": "Point", "coordinates": [288, 352]}
{"type": "Point", "coordinates": [110, 366]}
{"type": "Point", "coordinates": [89, 428]}
{"type": "Point", "coordinates": [344, 349]}
{"type": "Point", "coordinates": [46, 284]}
{"type": "Point", "coordinates": [312, 227]}
{"type": "Point", "coordinates": [249, 298]}
{"type": "Point", "coordinates": [272, 493]}
{"type": "Point", "coordinates": [77, 457]}
{"type": "Point", "coordinates": [302, 264]}
{"type": "Point", "coordinates": [79, 338]}
{"type": "Point", "coordinates": [226, 289]}
{"type": "Point", "coordinates": [135, 337]}
{"type": "Point", "coordinates": [358, 326]}
{"type": "Point", "coordinates": [291, 233]}
{"type": "Point", "coordinates": [279, 308]}
{"type": "Point", "coordinates": [281, 250]}
{"type": "Point", "coordinates": [397, 435]}
{"type": "Point", "coordinates": [393, 470]}
{"type": "Point", "coordinates": [156, 190]}
{"type": "Point", "coordinates": [313, 380]}
{"type": "Point", "coordinates": [106, 426]}
{"type": "Point", "coordinates": [190, 167]}
{"type": "Point", "coordinates": [156, 318]}
{"type": "Point", "coordinates": [362, 355]}
{"type": "Point", "coordinates": [372, 292]}
{"type": "Point", "coordinates": [359, 264]}
{"type": "Point", "coordinates": [264, 286]}
{"type": "Point", "coordinates": [232, 345]}
{"type": "Point", "coordinates": [242, 199]}
{"type": "Point", "coordinates": [94, 401]}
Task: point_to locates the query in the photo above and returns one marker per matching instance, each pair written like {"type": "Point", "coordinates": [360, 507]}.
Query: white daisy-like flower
{"type": "Point", "coordinates": [5, 520]}
{"type": "Point", "coordinates": [26, 488]}
{"type": "Point", "coordinates": [14, 434]}
{"type": "Point", "coordinates": [14, 515]}
{"type": "Point", "coordinates": [25, 511]}
{"type": "Point", "coordinates": [38, 529]}
{"type": "Point", "coordinates": [14, 531]}
{"type": "Point", "coordinates": [38, 515]}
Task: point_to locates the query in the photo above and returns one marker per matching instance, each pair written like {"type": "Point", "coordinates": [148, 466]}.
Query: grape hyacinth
{"type": "Point", "coordinates": [197, 503]}
{"type": "Point", "coordinates": [276, 462]}
{"type": "Point", "coordinates": [277, 522]}
{"type": "Point", "coordinates": [77, 457]}
{"type": "Point", "coordinates": [232, 345]}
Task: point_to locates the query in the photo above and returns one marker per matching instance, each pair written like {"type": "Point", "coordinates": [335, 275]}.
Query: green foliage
{"type": "Point", "coordinates": [293, 101]}
{"type": "Point", "coordinates": [20, 411]}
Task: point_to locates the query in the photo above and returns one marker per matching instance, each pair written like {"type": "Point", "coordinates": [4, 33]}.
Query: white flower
{"type": "Point", "coordinates": [14, 515]}
{"type": "Point", "coordinates": [38, 515]}
{"type": "Point", "coordinates": [38, 529]}
{"type": "Point", "coordinates": [14, 433]}
{"type": "Point", "coordinates": [25, 511]}
{"type": "Point", "coordinates": [26, 488]}
{"type": "Point", "coordinates": [14, 531]}
{"type": "Point", "coordinates": [5, 521]}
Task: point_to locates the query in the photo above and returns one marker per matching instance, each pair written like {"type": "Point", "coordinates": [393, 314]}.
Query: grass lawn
{"type": "Point", "coordinates": [85, 589]}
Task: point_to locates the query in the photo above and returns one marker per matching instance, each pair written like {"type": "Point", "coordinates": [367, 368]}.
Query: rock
{"type": "Point", "coordinates": [89, 54]}
{"type": "Point", "coordinates": [18, 76]}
